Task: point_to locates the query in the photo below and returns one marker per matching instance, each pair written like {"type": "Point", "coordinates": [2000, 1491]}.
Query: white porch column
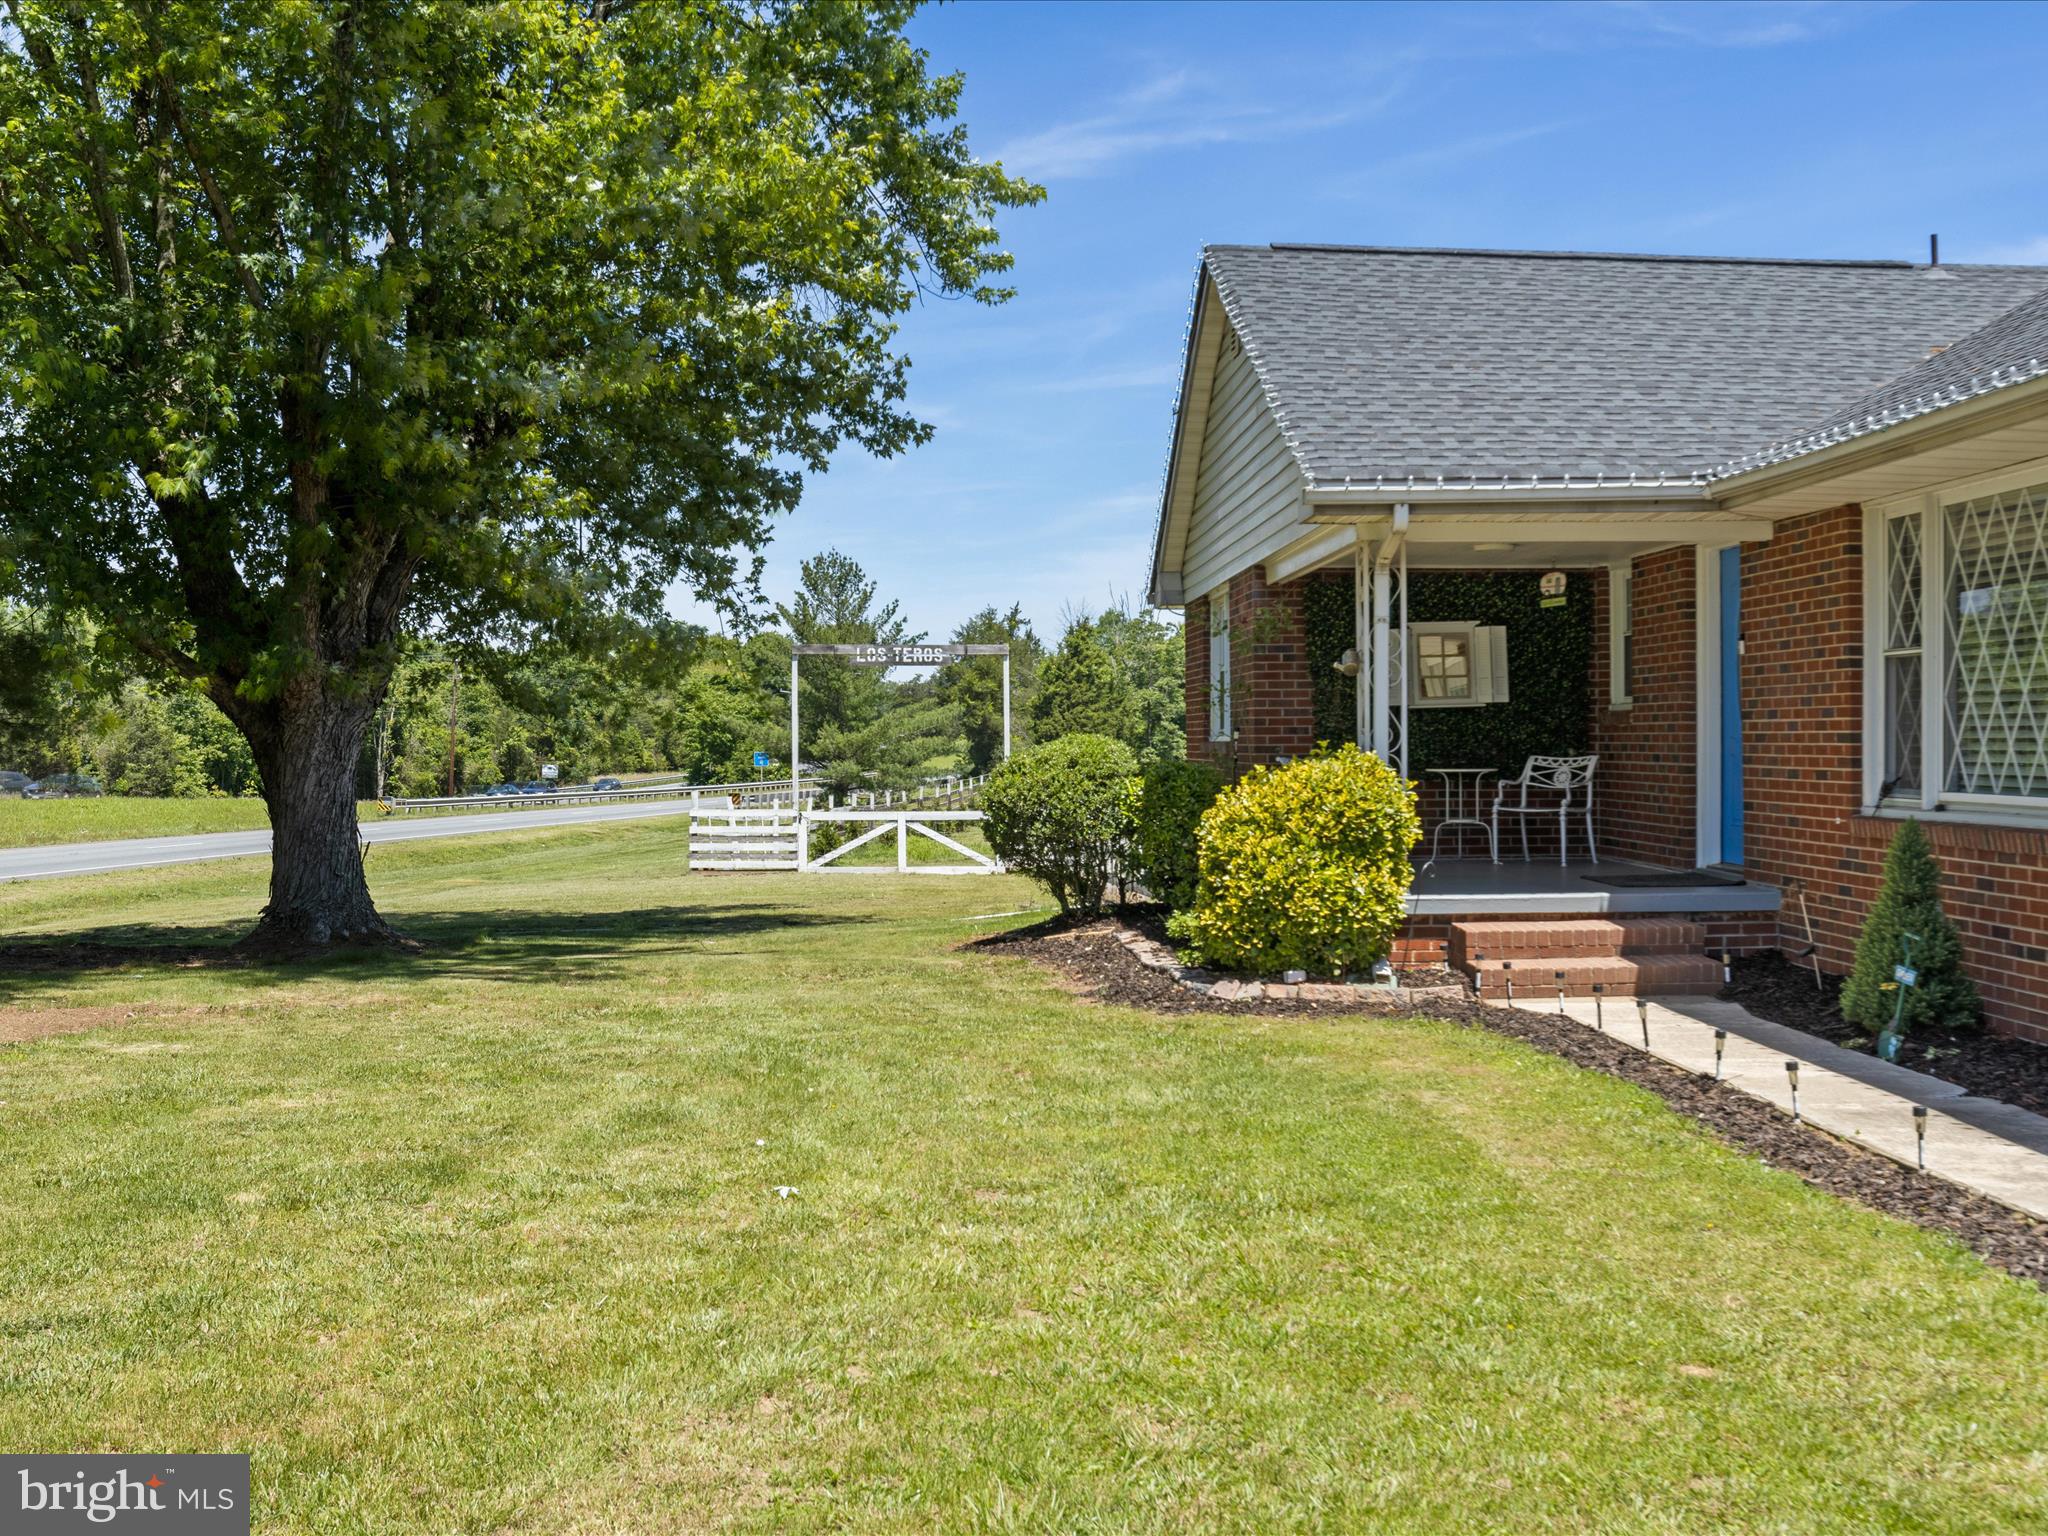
{"type": "Point", "coordinates": [1361, 637]}
{"type": "Point", "coordinates": [1382, 660]}
{"type": "Point", "coordinates": [1388, 646]}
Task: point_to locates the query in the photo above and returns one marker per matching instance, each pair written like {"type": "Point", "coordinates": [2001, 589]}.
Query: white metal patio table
{"type": "Point", "coordinates": [1464, 796]}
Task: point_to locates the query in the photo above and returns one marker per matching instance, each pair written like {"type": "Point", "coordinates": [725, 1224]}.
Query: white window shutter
{"type": "Point", "coordinates": [1493, 659]}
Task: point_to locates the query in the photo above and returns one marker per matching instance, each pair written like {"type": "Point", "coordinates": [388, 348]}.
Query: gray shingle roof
{"type": "Point", "coordinates": [1475, 366]}
{"type": "Point", "coordinates": [2010, 350]}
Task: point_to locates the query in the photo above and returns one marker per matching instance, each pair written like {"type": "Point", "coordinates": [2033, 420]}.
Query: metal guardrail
{"type": "Point", "coordinates": [749, 790]}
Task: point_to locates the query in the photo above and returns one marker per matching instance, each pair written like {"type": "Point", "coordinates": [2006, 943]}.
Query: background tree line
{"type": "Point", "coordinates": [681, 699]}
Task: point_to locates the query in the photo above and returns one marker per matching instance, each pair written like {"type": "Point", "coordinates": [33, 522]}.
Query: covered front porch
{"type": "Point", "coordinates": [1473, 638]}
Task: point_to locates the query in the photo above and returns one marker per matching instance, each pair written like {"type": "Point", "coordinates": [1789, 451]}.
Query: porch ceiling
{"type": "Point", "coordinates": [1535, 555]}
{"type": "Point", "coordinates": [1536, 538]}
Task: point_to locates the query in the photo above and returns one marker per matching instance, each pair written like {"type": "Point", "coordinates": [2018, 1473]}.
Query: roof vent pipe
{"type": "Point", "coordinates": [1934, 250]}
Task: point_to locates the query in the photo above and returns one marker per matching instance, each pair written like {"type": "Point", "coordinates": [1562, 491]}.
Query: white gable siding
{"type": "Point", "coordinates": [1248, 489]}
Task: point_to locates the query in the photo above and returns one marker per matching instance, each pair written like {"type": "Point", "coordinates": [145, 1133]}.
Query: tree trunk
{"type": "Point", "coordinates": [319, 895]}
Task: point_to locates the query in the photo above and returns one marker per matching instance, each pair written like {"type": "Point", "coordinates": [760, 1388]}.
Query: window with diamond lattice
{"type": "Point", "coordinates": [1994, 597]}
{"type": "Point", "coordinates": [1903, 649]}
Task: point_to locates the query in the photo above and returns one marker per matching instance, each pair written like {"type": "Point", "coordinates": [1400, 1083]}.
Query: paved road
{"type": "Point", "coordinates": [143, 852]}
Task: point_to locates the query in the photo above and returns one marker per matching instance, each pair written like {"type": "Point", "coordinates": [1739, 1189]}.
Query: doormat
{"type": "Point", "coordinates": [1681, 879]}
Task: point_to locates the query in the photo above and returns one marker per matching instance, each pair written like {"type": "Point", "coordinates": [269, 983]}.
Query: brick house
{"type": "Point", "coordinates": [1768, 537]}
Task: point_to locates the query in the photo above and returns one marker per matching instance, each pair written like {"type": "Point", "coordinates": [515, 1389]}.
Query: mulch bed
{"type": "Point", "coordinates": [1089, 958]}
{"type": "Point", "coordinates": [2012, 1071]}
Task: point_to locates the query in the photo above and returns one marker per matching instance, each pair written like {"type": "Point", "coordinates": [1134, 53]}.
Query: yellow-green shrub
{"type": "Point", "coordinates": [1303, 867]}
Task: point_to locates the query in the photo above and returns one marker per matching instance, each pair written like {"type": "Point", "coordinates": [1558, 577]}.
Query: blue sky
{"type": "Point", "coordinates": [1762, 130]}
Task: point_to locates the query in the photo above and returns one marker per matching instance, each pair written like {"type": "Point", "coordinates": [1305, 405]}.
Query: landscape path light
{"type": "Point", "coordinates": [1560, 991]}
{"type": "Point", "coordinates": [1920, 1133]}
{"type": "Point", "coordinates": [1599, 1019]}
{"type": "Point", "coordinates": [1792, 1076]}
{"type": "Point", "coordinates": [1643, 1017]}
{"type": "Point", "coordinates": [1720, 1046]}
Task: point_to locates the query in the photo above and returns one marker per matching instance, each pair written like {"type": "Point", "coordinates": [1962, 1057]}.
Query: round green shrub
{"type": "Point", "coordinates": [1166, 804]}
{"type": "Point", "coordinates": [1056, 812]}
{"type": "Point", "coordinates": [1304, 867]}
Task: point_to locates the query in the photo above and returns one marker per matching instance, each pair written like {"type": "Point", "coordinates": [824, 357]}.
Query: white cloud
{"type": "Point", "coordinates": [1172, 110]}
{"type": "Point", "coordinates": [1730, 24]}
{"type": "Point", "coordinates": [1436, 156]}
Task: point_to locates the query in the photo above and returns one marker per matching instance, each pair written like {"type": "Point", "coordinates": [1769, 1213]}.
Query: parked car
{"type": "Point", "coordinates": [12, 783]}
{"type": "Point", "coordinates": [502, 789]}
{"type": "Point", "coordinates": [63, 786]}
{"type": "Point", "coordinates": [605, 784]}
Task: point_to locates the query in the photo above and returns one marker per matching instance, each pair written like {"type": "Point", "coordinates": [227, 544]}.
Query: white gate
{"type": "Point", "coordinates": [735, 839]}
{"type": "Point", "coordinates": [903, 823]}
{"type": "Point", "coordinates": [748, 839]}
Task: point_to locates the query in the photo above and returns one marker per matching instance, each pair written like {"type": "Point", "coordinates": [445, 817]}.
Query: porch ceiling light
{"type": "Point", "coordinates": [1347, 663]}
{"type": "Point", "coordinates": [1492, 549]}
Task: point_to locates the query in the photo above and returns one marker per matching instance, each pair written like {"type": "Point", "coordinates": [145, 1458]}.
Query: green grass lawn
{"type": "Point", "coordinates": [37, 823]}
{"type": "Point", "coordinates": [488, 1238]}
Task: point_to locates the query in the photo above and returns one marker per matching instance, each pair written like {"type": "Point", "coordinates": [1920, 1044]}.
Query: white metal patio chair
{"type": "Point", "coordinates": [1570, 777]}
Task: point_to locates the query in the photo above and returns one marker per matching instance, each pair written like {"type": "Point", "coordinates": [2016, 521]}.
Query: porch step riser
{"type": "Point", "coordinates": [1605, 938]}
{"type": "Point", "coordinates": [1660, 975]}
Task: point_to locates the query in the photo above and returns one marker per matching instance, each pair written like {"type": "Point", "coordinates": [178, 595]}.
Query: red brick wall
{"type": "Point", "coordinates": [1802, 722]}
{"type": "Point", "coordinates": [1195, 629]}
{"type": "Point", "coordinates": [1645, 785]}
{"type": "Point", "coordinates": [1802, 691]}
{"type": "Point", "coordinates": [1272, 703]}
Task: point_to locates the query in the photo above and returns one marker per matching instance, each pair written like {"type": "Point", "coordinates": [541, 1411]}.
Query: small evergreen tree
{"type": "Point", "coordinates": [1080, 691]}
{"type": "Point", "coordinates": [1909, 901]}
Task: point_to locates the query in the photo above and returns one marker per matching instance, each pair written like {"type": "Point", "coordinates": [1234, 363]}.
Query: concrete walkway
{"type": "Point", "coordinates": [1981, 1144]}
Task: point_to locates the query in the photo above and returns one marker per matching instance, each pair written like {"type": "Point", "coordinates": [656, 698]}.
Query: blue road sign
{"type": "Point", "coordinates": [761, 759]}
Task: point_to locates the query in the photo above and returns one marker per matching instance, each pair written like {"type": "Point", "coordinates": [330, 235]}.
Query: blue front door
{"type": "Point", "coordinates": [1731, 706]}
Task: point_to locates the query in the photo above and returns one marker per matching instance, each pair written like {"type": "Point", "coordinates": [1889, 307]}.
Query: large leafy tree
{"type": "Point", "coordinates": [325, 321]}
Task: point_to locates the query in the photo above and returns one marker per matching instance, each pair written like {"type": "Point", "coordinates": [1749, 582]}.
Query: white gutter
{"type": "Point", "coordinates": [1523, 488]}
{"type": "Point", "coordinates": [1843, 454]}
{"type": "Point", "coordinates": [1975, 387]}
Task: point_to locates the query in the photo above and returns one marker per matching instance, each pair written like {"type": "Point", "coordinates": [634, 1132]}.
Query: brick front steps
{"type": "Point", "coordinates": [1623, 956]}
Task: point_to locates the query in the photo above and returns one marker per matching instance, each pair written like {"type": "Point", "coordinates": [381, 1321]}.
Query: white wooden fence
{"type": "Point", "coordinates": [726, 839]}
{"type": "Point", "coordinates": [952, 793]}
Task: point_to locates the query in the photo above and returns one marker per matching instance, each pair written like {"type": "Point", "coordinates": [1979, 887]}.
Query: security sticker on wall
{"type": "Point", "coordinates": [1552, 589]}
